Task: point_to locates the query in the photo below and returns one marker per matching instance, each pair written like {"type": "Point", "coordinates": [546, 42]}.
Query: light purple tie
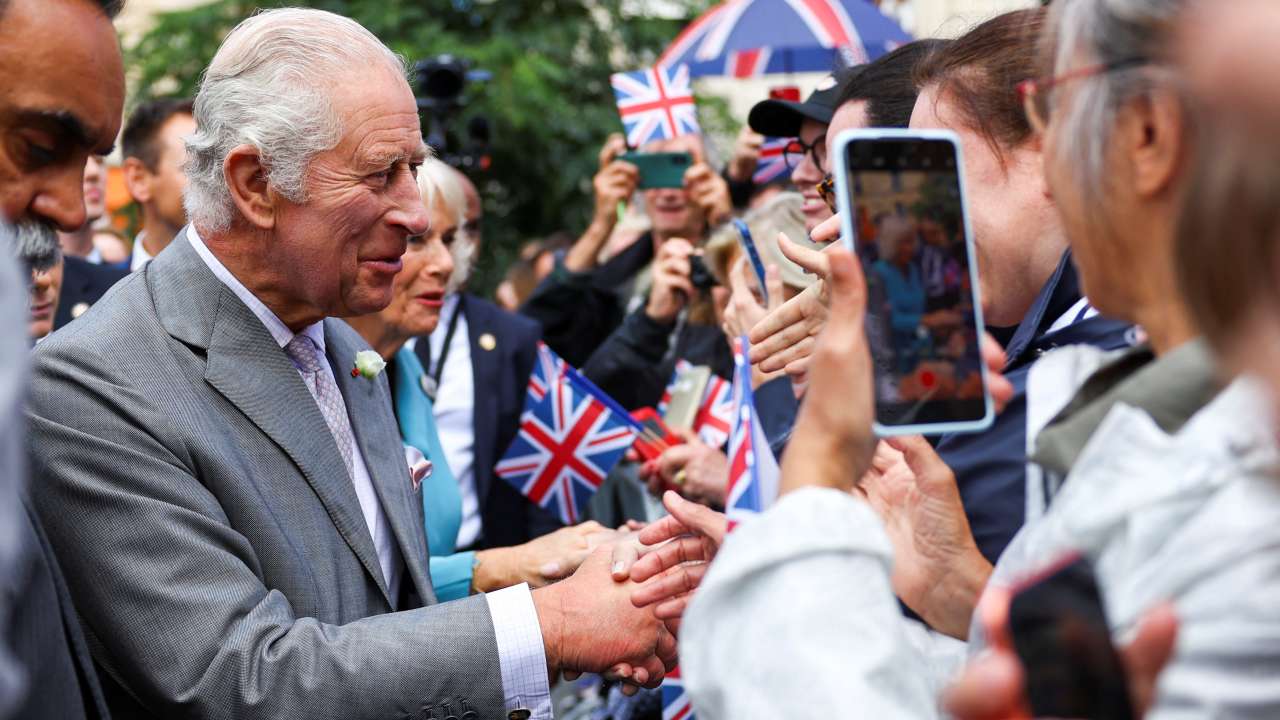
{"type": "Point", "coordinates": [304, 353]}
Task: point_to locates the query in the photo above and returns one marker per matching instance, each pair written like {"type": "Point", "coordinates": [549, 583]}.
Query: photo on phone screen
{"type": "Point", "coordinates": [903, 212]}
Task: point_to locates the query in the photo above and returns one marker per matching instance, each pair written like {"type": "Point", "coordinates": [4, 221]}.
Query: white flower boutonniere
{"type": "Point", "coordinates": [368, 364]}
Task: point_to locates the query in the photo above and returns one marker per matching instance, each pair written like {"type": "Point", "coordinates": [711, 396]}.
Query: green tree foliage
{"type": "Point", "coordinates": [549, 102]}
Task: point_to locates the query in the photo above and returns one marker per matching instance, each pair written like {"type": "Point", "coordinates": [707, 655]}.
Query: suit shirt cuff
{"type": "Point", "coordinates": [520, 651]}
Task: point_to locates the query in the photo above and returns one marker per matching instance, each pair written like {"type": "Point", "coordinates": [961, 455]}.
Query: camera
{"type": "Point", "coordinates": [441, 82]}
{"type": "Point", "coordinates": [699, 275]}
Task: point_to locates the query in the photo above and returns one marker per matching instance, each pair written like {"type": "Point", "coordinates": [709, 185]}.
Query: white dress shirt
{"type": "Point", "coordinates": [455, 414]}
{"type": "Point", "coordinates": [521, 654]}
{"type": "Point", "coordinates": [140, 255]}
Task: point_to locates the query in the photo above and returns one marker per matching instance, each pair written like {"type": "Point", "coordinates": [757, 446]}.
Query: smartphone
{"type": "Point", "coordinates": [1060, 633]}
{"type": "Point", "coordinates": [904, 191]}
{"type": "Point", "coordinates": [660, 169]}
{"type": "Point", "coordinates": [686, 396]}
{"type": "Point", "coordinates": [749, 247]}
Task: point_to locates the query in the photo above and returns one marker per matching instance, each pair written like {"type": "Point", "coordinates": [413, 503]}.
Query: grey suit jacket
{"type": "Point", "coordinates": [210, 535]}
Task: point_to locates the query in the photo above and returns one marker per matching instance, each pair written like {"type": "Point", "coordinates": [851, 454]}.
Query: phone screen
{"type": "Point", "coordinates": [911, 237]}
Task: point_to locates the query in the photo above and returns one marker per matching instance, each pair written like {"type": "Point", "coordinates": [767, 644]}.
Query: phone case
{"type": "Point", "coordinates": [659, 170]}
{"type": "Point", "coordinates": [844, 195]}
{"type": "Point", "coordinates": [749, 246]}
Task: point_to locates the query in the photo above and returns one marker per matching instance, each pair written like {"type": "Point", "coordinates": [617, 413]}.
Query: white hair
{"type": "Point", "coordinates": [1107, 31]}
{"type": "Point", "coordinates": [441, 184]}
{"type": "Point", "coordinates": [269, 86]}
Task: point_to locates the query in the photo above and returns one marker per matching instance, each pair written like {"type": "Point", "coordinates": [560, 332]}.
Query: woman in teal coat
{"type": "Point", "coordinates": [417, 295]}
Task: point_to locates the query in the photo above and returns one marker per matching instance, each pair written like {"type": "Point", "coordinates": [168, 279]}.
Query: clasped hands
{"type": "Point", "coordinates": [618, 615]}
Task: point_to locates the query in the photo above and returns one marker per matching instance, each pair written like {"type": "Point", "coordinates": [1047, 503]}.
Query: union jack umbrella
{"type": "Point", "coordinates": [753, 471]}
{"type": "Point", "coordinates": [675, 703]}
{"type": "Point", "coordinates": [748, 38]}
{"type": "Point", "coordinates": [547, 369]}
{"type": "Point", "coordinates": [655, 104]}
{"type": "Point", "coordinates": [568, 442]}
{"type": "Point", "coordinates": [772, 164]}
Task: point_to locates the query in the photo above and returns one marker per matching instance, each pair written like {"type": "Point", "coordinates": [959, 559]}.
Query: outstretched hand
{"type": "Point", "coordinates": [833, 441]}
{"type": "Point", "coordinates": [937, 568]}
{"type": "Point", "coordinates": [590, 624]}
{"type": "Point", "coordinates": [784, 338]}
{"type": "Point", "coordinates": [678, 548]}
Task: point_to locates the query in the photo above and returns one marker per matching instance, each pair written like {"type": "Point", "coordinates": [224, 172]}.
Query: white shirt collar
{"type": "Point", "coordinates": [140, 255]}
{"type": "Point", "coordinates": [275, 326]}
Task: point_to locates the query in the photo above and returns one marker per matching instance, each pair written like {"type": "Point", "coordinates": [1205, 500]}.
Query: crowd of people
{"type": "Point", "coordinates": [248, 459]}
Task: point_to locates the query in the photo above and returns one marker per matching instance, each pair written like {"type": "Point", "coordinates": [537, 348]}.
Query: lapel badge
{"type": "Point", "coordinates": [78, 309]}
{"type": "Point", "coordinates": [488, 341]}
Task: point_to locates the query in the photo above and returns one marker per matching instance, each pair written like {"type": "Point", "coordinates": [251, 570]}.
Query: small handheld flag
{"type": "Point", "coordinates": [715, 409]}
{"type": "Point", "coordinates": [675, 703]}
{"type": "Point", "coordinates": [772, 164]}
{"type": "Point", "coordinates": [655, 104]}
{"type": "Point", "coordinates": [547, 369]}
{"type": "Point", "coordinates": [568, 442]}
{"type": "Point", "coordinates": [716, 413]}
{"type": "Point", "coordinates": [753, 471]}
{"type": "Point", "coordinates": [681, 366]}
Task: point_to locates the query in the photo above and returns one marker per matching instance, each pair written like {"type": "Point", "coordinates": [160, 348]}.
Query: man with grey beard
{"type": "Point", "coordinates": [55, 110]}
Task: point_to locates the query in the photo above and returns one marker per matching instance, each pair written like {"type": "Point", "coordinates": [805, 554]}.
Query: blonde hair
{"type": "Point", "coordinates": [440, 185]}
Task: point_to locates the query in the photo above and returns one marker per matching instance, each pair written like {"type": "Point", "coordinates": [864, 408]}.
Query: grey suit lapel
{"type": "Point", "coordinates": [248, 368]}
{"type": "Point", "coordinates": [369, 408]}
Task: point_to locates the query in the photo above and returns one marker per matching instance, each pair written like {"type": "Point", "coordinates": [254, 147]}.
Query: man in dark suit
{"type": "Point", "coordinates": [72, 101]}
{"type": "Point", "coordinates": [83, 284]}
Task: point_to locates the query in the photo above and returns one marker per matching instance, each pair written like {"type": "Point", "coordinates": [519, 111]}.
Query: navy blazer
{"type": "Point", "coordinates": [83, 283]}
{"type": "Point", "coordinates": [500, 376]}
{"type": "Point", "coordinates": [990, 467]}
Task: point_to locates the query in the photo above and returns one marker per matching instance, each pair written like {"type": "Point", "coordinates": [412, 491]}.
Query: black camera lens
{"type": "Point", "coordinates": [699, 276]}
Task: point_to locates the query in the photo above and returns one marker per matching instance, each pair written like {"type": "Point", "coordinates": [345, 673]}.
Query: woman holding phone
{"type": "Point", "coordinates": [1163, 468]}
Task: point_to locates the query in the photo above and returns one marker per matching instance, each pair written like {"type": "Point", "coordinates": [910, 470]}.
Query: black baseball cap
{"type": "Point", "coordinates": [783, 118]}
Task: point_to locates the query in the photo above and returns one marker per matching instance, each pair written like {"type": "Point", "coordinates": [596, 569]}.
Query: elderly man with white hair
{"type": "Point", "coordinates": [240, 533]}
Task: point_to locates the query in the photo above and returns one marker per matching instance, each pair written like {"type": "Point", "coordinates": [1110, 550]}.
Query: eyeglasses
{"type": "Point", "coordinates": [827, 191]}
{"type": "Point", "coordinates": [793, 154]}
{"type": "Point", "coordinates": [1037, 94]}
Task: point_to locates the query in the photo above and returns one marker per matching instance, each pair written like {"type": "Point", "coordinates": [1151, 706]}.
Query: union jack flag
{"type": "Point", "coordinates": [665, 402]}
{"type": "Point", "coordinates": [655, 104]}
{"type": "Point", "coordinates": [753, 471]}
{"type": "Point", "coordinates": [547, 369]}
{"type": "Point", "coordinates": [772, 164]}
{"type": "Point", "coordinates": [716, 413]}
{"type": "Point", "coordinates": [568, 442]}
{"type": "Point", "coordinates": [675, 703]}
